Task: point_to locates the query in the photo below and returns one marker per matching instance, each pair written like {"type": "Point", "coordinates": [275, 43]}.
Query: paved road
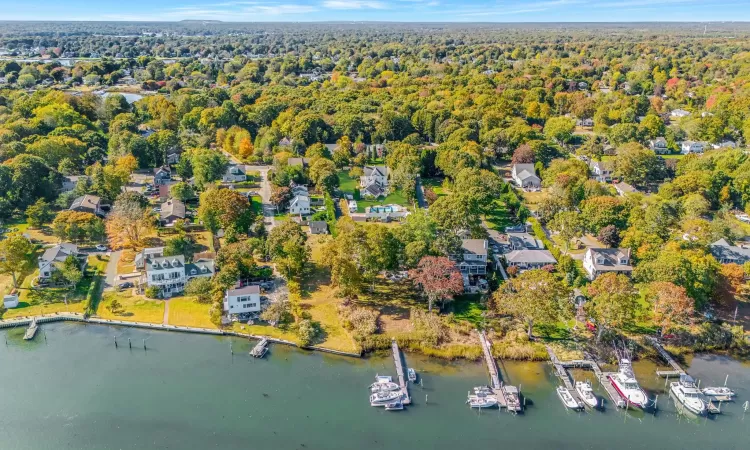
{"type": "Point", "coordinates": [420, 193]}
{"type": "Point", "coordinates": [110, 279]}
{"type": "Point", "coordinates": [265, 195]}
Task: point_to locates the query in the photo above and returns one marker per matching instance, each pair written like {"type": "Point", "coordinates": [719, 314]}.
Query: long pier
{"type": "Point", "coordinates": [402, 381]}
{"type": "Point", "coordinates": [507, 396]}
{"type": "Point", "coordinates": [561, 370]}
{"type": "Point", "coordinates": [677, 370]}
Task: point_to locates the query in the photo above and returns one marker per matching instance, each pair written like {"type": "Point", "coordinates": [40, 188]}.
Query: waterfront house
{"type": "Point", "coordinates": [530, 259]}
{"type": "Point", "coordinates": [472, 263]}
{"type": "Point", "coordinates": [146, 254]}
{"type": "Point", "coordinates": [48, 262]}
{"type": "Point", "coordinates": [171, 273]}
{"type": "Point", "coordinates": [162, 175]}
{"type": "Point", "coordinates": [692, 147]}
{"type": "Point", "coordinates": [658, 145]}
{"type": "Point", "coordinates": [234, 174]}
{"type": "Point", "coordinates": [601, 171]}
{"type": "Point", "coordinates": [597, 261]}
{"type": "Point", "coordinates": [726, 253]}
{"type": "Point", "coordinates": [525, 176]}
{"type": "Point", "coordinates": [374, 181]}
{"type": "Point", "coordinates": [171, 210]}
{"type": "Point", "coordinates": [318, 227]}
{"type": "Point", "coordinates": [242, 300]}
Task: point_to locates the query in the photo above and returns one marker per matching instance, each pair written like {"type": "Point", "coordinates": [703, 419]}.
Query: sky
{"type": "Point", "coordinates": [380, 10]}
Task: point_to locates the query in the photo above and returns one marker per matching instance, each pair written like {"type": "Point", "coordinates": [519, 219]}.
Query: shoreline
{"type": "Point", "coordinates": [76, 317]}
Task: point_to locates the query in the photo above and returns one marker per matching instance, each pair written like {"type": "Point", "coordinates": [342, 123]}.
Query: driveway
{"type": "Point", "coordinates": [110, 279]}
{"type": "Point", "coordinates": [265, 195]}
{"type": "Point", "coordinates": [420, 193]}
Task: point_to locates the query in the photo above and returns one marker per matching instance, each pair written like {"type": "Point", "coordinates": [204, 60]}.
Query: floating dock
{"type": "Point", "coordinates": [260, 349]}
{"type": "Point", "coordinates": [402, 380]}
{"type": "Point", "coordinates": [561, 370]}
{"type": "Point", "coordinates": [507, 396]}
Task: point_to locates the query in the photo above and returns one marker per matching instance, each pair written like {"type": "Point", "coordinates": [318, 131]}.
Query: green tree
{"type": "Point", "coordinates": [614, 302]}
{"type": "Point", "coordinates": [17, 255]}
{"type": "Point", "coordinates": [182, 191]}
{"type": "Point", "coordinates": [323, 174]}
{"type": "Point", "coordinates": [287, 246]}
{"type": "Point", "coordinates": [39, 213]}
{"type": "Point", "coordinates": [559, 129]}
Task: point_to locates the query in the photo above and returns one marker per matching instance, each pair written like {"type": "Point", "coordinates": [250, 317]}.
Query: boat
{"type": "Point", "coordinates": [395, 406]}
{"type": "Point", "coordinates": [723, 393]}
{"type": "Point", "coordinates": [512, 398]}
{"type": "Point", "coordinates": [688, 394]}
{"type": "Point", "coordinates": [567, 398]}
{"type": "Point", "coordinates": [260, 349]}
{"type": "Point", "coordinates": [482, 401]}
{"type": "Point", "coordinates": [384, 386]}
{"type": "Point", "coordinates": [586, 392]}
{"type": "Point", "coordinates": [383, 398]}
{"type": "Point", "coordinates": [412, 374]}
{"type": "Point", "coordinates": [31, 331]}
{"type": "Point", "coordinates": [486, 390]}
{"type": "Point", "coordinates": [627, 386]}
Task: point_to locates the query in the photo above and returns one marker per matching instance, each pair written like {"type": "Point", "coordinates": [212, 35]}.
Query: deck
{"type": "Point", "coordinates": [402, 380]}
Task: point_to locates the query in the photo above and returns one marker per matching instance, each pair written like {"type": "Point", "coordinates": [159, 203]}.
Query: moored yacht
{"type": "Point", "coordinates": [627, 386]}
{"type": "Point", "coordinates": [586, 392]}
{"type": "Point", "coordinates": [688, 394]}
{"type": "Point", "coordinates": [482, 401]}
{"type": "Point", "coordinates": [384, 383]}
{"type": "Point", "coordinates": [567, 398]}
{"type": "Point", "coordinates": [382, 398]}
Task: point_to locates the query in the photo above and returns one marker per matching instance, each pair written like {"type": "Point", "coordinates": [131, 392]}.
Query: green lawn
{"type": "Point", "coordinates": [499, 217]}
{"type": "Point", "coordinates": [468, 308]}
{"type": "Point", "coordinates": [436, 184]}
{"type": "Point", "coordinates": [348, 184]}
{"type": "Point", "coordinates": [135, 308]}
{"type": "Point", "coordinates": [257, 204]}
{"type": "Point", "coordinates": [187, 312]}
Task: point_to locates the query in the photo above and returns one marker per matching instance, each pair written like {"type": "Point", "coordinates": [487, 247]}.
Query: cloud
{"type": "Point", "coordinates": [236, 11]}
{"type": "Point", "coordinates": [354, 4]}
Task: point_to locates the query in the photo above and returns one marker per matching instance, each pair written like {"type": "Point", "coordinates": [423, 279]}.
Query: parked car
{"type": "Point", "coordinates": [101, 248]}
{"type": "Point", "coordinates": [125, 285]}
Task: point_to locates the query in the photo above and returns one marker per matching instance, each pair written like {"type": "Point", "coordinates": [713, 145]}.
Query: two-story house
{"type": "Point", "coordinates": [374, 181]}
{"type": "Point", "coordinates": [242, 300]}
{"type": "Point", "coordinates": [525, 176]}
{"type": "Point", "coordinates": [162, 175]}
{"type": "Point", "coordinates": [234, 174]}
{"type": "Point", "coordinates": [171, 273]}
{"type": "Point", "coordinates": [692, 147]}
{"type": "Point", "coordinates": [88, 203]}
{"type": "Point", "coordinates": [472, 263]}
{"type": "Point", "coordinates": [171, 211]}
{"type": "Point", "coordinates": [597, 261]}
{"type": "Point", "coordinates": [524, 241]}
{"type": "Point", "coordinates": [658, 145]}
{"type": "Point", "coordinates": [300, 205]}
{"type": "Point", "coordinates": [601, 171]}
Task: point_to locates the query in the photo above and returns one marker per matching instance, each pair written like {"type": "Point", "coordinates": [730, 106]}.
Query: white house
{"type": "Point", "coordinates": [47, 263]}
{"type": "Point", "coordinates": [692, 147]}
{"type": "Point", "coordinates": [234, 174]}
{"type": "Point", "coordinates": [525, 176]}
{"type": "Point", "coordinates": [242, 300]}
{"type": "Point", "coordinates": [601, 171]}
{"type": "Point", "coordinates": [300, 205]}
{"type": "Point", "coordinates": [170, 273]}
{"type": "Point", "coordinates": [585, 123]}
{"type": "Point", "coordinates": [678, 113]}
{"type": "Point", "coordinates": [597, 261]}
{"type": "Point", "coordinates": [374, 181]}
{"type": "Point", "coordinates": [658, 145]}
{"type": "Point", "coordinates": [724, 144]}
{"type": "Point", "coordinates": [352, 204]}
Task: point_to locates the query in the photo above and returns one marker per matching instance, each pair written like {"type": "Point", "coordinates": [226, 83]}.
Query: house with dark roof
{"type": "Point", "coordinates": [524, 241]}
{"type": "Point", "coordinates": [162, 175]}
{"type": "Point", "coordinates": [88, 203]}
{"type": "Point", "coordinates": [171, 210]}
{"type": "Point", "coordinates": [53, 256]}
{"type": "Point", "coordinates": [525, 176]}
{"type": "Point", "coordinates": [374, 181]}
{"type": "Point", "coordinates": [597, 261]}
{"type": "Point", "coordinates": [726, 253]}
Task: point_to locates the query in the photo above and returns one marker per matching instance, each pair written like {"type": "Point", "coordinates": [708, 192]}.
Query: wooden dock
{"type": "Point", "coordinates": [561, 370]}
{"type": "Point", "coordinates": [507, 396]}
{"type": "Point", "coordinates": [402, 380]}
{"type": "Point", "coordinates": [677, 370]}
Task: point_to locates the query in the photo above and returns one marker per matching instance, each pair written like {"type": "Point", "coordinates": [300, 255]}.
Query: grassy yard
{"type": "Point", "coordinates": [186, 311]}
{"type": "Point", "coordinates": [257, 204]}
{"type": "Point", "coordinates": [348, 184]}
{"type": "Point", "coordinates": [468, 308]}
{"type": "Point", "coordinates": [436, 184]}
{"type": "Point", "coordinates": [532, 199]}
{"type": "Point", "coordinates": [28, 309]}
{"type": "Point", "coordinates": [135, 308]}
{"type": "Point", "coordinates": [499, 217]}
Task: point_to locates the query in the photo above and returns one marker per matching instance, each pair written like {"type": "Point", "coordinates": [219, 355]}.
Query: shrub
{"type": "Point", "coordinates": [362, 322]}
{"type": "Point", "coordinates": [153, 292]}
{"type": "Point", "coordinates": [307, 330]}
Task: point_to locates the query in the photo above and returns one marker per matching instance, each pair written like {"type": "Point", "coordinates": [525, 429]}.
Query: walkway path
{"type": "Point", "coordinates": [111, 270]}
{"type": "Point", "coordinates": [165, 319]}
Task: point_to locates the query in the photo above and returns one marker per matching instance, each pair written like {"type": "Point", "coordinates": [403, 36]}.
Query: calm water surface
{"type": "Point", "coordinates": [76, 391]}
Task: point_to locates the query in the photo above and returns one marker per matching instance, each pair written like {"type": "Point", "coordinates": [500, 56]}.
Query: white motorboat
{"type": "Point", "coordinates": [412, 374]}
{"type": "Point", "coordinates": [483, 390]}
{"type": "Point", "coordinates": [719, 393]}
{"type": "Point", "coordinates": [567, 398]}
{"type": "Point", "coordinates": [385, 386]}
{"type": "Point", "coordinates": [31, 330]}
{"type": "Point", "coordinates": [688, 394]}
{"type": "Point", "coordinates": [586, 392]}
{"type": "Point", "coordinates": [482, 401]}
{"type": "Point", "coordinates": [382, 398]}
{"type": "Point", "coordinates": [395, 406]}
{"type": "Point", "coordinates": [627, 386]}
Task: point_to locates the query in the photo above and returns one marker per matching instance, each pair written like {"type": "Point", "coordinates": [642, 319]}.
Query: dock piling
{"type": "Point", "coordinates": [130, 344]}
{"type": "Point", "coordinates": [115, 339]}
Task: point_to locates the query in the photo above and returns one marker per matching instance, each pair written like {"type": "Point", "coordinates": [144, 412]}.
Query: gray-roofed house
{"type": "Point", "coordinates": [597, 261]}
{"type": "Point", "coordinates": [530, 259]}
{"type": "Point", "coordinates": [162, 175]}
{"type": "Point", "coordinates": [171, 210]}
{"type": "Point", "coordinates": [692, 147]}
{"type": "Point", "coordinates": [242, 300]}
{"type": "Point", "coordinates": [53, 256]}
{"type": "Point", "coordinates": [374, 181]}
{"type": "Point", "coordinates": [88, 203]}
{"type": "Point", "coordinates": [171, 273]}
{"type": "Point", "coordinates": [146, 254]}
{"type": "Point", "coordinates": [658, 145]}
{"type": "Point", "coordinates": [318, 227]}
{"type": "Point", "coordinates": [601, 171]}
{"type": "Point", "coordinates": [623, 189]}
{"type": "Point", "coordinates": [234, 174]}
{"type": "Point", "coordinates": [525, 176]}
{"type": "Point", "coordinates": [302, 162]}
{"type": "Point", "coordinates": [524, 241]}
{"type": "Point", "coordinates": [726, 253]}
{"type": "Point", "coordinates": [473, 257]}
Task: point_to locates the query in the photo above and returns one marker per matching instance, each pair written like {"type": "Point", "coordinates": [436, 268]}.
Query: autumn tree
{"type": "Point", "coordinates": [534, 296]}
{"type": "Point", "coordinates": [224, 208]}
{"type": "Point", "coordinates": [129, 221]}
{"type": "Point", "coordinates": [439, 279]}
{"type": "Point", "coordinates": [39, 213]}
{"type": "Point", "coordinates": [287, 246]}
{"type": "Point", "coordinates": [614, 302]}
{"type": "Point", "coordinates": [524, 154]}
{"type": "Point", "coordinates": [609, 236]}
{"type": "Point", "coordinates": [671, 304]}
{"type": "Point", "coordinates": [17, 255]}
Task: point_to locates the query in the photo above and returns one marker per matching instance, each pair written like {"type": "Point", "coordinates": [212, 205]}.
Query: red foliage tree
{"type": "Point", "coordinates": [523, 155]}
{"type": "Point", "coordinates": [438, 277]}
